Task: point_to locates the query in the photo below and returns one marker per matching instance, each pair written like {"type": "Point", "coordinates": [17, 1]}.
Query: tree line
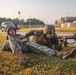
{"type": "Point", "coordinates": [22, 21]}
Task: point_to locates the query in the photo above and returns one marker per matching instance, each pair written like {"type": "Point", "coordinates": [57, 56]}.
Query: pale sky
{"type": "Point", "coordinates": [45, 10]}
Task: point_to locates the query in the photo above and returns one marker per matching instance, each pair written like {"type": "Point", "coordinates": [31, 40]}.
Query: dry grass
{"type": "Point", "coordinates": [58, 30]}
{"type": "Point", "coordinates": [66, 30]}
{"type": "Point", "coordinates": [39, 64]}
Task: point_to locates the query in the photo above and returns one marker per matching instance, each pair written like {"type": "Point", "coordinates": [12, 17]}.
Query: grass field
{"type": "Point", "coordinates": [38, 65]}
{"type": "Point", "coordinates": [71, 30]}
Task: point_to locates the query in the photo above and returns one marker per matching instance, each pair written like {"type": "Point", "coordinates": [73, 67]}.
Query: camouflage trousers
{"type": "Point", "coordinates": [42, 49]}
{"type": "Point", "coordinates": [17, 45]}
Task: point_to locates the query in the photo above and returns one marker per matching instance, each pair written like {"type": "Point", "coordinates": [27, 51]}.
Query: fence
{"type": "Point", "coordinates": [31, 26]}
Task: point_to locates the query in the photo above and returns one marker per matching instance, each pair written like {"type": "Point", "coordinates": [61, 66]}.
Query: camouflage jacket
{"type": "Point", "coordinates": [41, 39]}
{"type": "Point", "coordinates": [22, 45]}
{"type": "Point", "coordinates": [14, 44]}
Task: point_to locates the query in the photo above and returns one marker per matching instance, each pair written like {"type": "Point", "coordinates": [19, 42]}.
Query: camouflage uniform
{"type": "Point", "coordinates": [38, 36]}
{"type": "Point", "coordinates": [24, 46]}
{"type": "Point", "coordinates": [19, 45]}
{"type": "Point", "coordinates": [15, 45]}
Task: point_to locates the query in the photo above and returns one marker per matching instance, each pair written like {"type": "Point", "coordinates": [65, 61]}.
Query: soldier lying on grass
{"type": "Point", "coordinates": [18, 45]}
{"type": "Point", "coordinates": [46, 37]}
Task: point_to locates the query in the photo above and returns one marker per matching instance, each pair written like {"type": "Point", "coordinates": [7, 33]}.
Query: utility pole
{"type": "Point", "coordinates": [29, 21]}
{"type": "Point", "coordinates": [19, 17]}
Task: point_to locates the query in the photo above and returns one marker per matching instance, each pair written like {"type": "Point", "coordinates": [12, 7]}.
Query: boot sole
{"type": "Point", "coordinates": [71, 54]}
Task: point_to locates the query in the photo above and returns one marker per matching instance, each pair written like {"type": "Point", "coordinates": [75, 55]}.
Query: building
{"type": "Point", "coordinates": [66, 21]}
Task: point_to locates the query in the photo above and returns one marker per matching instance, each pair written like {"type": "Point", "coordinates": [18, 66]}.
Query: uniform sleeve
{"type": "Point", "coordinates": [56, 44]}
{"type": "Point", "coordinates": [14, 45]}
{"type": "Point", "coordinates": [5, 46]}
{"type": "Point", "coordinates": [30, 33]}
{"type": "Point", "coordinates": [41, 40]}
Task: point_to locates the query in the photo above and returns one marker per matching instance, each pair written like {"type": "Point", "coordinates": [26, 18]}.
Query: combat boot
{"type": "Point", "coordinates": [69, 54]}
{"type": "Point", "coordinates": [22, 59]}
{"type": "Point", "coordinates": [60, 54]}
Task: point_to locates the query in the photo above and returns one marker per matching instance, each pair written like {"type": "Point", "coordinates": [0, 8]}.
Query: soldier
{"type": "Point", "coordinates": [18, 44]}
{"type": "Point", "coordinates": [45, 37]}
{"type": "Point", "coordinates": [15, 45]}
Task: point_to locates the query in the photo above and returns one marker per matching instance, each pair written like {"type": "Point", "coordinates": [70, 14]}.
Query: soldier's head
{"type": "Point", "coordinates": [49, 31]}
{"type": "Point", "coordinates": [11, 31]}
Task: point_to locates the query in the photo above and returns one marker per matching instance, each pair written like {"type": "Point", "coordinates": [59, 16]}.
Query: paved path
{"type": "Point", "coordinates": [68, 40]}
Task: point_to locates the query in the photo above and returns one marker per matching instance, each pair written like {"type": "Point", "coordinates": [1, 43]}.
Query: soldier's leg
{"type": "Point", "coordinates": [25, 48]}
{"type": "Point", "coordinates": [67, 54]}
{"type": "Point", "coordinates": [16, 48]}
{"type": "Point", "coordinates": [42, 49]}
{"type": "Point", "coordinates": [70, 53]}
{"type": "Point", "coordinates": [50, 52]}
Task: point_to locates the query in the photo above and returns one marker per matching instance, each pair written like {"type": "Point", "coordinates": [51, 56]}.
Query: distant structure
{"type": "Point", "coordinates": [66, 22]}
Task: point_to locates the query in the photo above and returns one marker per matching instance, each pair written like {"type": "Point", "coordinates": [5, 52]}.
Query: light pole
{"type": "Point", "coordinates": [19, 17]}
{"type": "Point", "coordinates": [30, 21]}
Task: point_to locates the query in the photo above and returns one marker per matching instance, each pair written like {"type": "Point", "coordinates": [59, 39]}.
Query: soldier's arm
{"type": "Point", "coordinates": [30, 33]}
{"type": "Point", "coordinates": [57, 43]}
{"type": "Point", "coordinates": [5, 46]}
{"type": "Point", "coordinates": [20, 36]}
{"type": "Point", "coordinates": [14, 45]}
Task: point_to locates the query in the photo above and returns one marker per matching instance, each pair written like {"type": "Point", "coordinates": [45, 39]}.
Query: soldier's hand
{"type": "Point", "coordinates": [60, 41]}
{"type": "Point", "coordinates": [32, 39]}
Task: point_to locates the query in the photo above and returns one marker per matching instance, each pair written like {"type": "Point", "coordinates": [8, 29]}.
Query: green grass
{"type": "Point", "coordinates": [71, 30]}
{"type": "Point", "coordinates": [38, 65]}
{"type": "Point", "coordinates": [28, 29]}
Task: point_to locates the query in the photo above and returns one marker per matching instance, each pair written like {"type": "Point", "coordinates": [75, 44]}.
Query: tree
{"type": "Point", "coordinates": [34, 22]}
{"type": "Point", "coordinates": [27, 22]}
{"type": "Point", "coordinates": [2, 20]}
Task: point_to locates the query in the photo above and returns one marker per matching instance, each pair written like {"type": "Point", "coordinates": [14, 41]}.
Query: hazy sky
{"type": "Point", "coordinates": [45, 10]}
